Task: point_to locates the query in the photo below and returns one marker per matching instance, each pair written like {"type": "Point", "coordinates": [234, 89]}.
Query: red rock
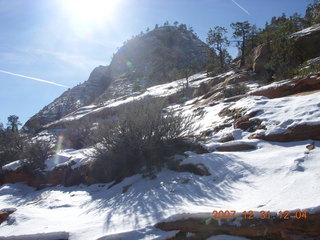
{"type": "Point", "coordinates": [236, 147]}
{"type": "Point", "coordinates": [304, 84]}
{"type": "Point", "coordinates": [310, 147]}
{"type": "Point", "coordinates": [227, 138]}
{"type": "Point", "coordinates": [4, 214]}
{"type": "Point", "coordinates": [273, 228]}
{"type": "Point", "coordinates": [245, 123]}
{"type": "Point", "coordinates": [297, 133]}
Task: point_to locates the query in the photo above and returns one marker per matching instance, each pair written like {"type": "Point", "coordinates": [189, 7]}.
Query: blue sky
{"type": "Point", "coordinates": [61, 41]}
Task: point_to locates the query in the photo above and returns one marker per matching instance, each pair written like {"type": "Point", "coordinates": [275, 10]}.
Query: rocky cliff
{"type": "Point", "coordinates": [145, 60]}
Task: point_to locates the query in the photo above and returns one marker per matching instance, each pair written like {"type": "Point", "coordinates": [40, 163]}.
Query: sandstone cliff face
{"type": "Point", "coordinates": [143, 61]}
{"type": "Point", "coordinates": [307, 42]}
{"type": "Point", "coordinates": [72, 99]}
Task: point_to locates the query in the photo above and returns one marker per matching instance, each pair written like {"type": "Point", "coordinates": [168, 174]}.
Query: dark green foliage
{"type": "Point", "coordinates": [235, 90]}
{"type": "Point", "coordinates": [285, 56]}
{"type": "Point", "coordinates": [218, 41]}
{"type": "Point", "coordinates": [13, 123]}
{"type": "Point", "coordinates": [307, 68]}
{"type": "Point", "coordinates": [312, 15]}
{"type": "Point", "coordinates": [140, 140]}
{"type": "Point", "coordinates": [241, 32]}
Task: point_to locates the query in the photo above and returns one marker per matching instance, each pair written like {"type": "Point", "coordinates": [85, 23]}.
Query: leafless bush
{"type": "Point", "coordinates": [235, 90]}
{"type": "Point", "coordinates": [35, 154]}
{"type": "Point", "coordinates": [78, 134]}
{"type": "Point", "coordinates": [141, 138]}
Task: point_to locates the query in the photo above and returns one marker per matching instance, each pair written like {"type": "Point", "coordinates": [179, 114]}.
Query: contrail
{"type": "Point", "coordinates": [33, 78]}
{"type": "Point", "coordinates": [243, 9]}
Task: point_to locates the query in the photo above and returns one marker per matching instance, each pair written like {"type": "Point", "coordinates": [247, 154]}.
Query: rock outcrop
{"type": "Point", "coordinates": [307, 45]}
{"type": "Point", "coordinates": [297, 133]}
{"type": "Point", "coordinates": [4, 214]}
{"type": "Point", "coordinates": [308, 41]}
{"type": "Point", "coordinates": [143, 61]}
{"type": "Point", "coordinates": [293, 86]}
{"type": "Point", "coordinates": [72, 99]}
{"type": "Point", "coordinates": [234, 147]}
{"type": "Point", "coordinates": [274, 227]}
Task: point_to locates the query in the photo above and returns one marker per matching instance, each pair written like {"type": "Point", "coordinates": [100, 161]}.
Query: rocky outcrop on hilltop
{"type": "Point", "coordinates": [72, 99]}
{"type": "Point", "coordinates": [308, 41]}
{"type": "Point", "coordinates": [146, 60]}
{"type": "Point", "coordinates": [307, 45]}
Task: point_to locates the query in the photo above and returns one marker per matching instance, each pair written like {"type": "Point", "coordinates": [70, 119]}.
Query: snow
{"type": "Point", "coordinates": [274, 177]}
{"type": "Point", "coordinates": [306, 31]}
{"type": "Point", "coordinates": [40, 236]}
{"type": "Point", "coordinates": [255, 180]}
{"type": "Point", "coordinates": [279, 114]}
{"type": "Point", "coordinates": [12, 166]}
{"type": "Point", "coordinates": [63, 157]}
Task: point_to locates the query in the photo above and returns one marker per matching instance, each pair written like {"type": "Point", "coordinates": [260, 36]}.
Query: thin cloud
{"type": "Point", "coordinates": [242, 8]}
{"type": "Point", "coordinates": [34, 79]}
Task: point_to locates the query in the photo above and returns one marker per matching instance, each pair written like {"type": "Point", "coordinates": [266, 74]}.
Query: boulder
{"type": "Point", "coordinates": [198, 169]}
{"type": "Point", "coordinates": [234, 147]}
{"type": "Point", "coordinates": [260, 57]}
{"type": "Point", "coordinates": [4, 214]}
{"type": "Point", "coordinates": [245, 122]}
{"type": "Point", "coordinates": [226, 138]}
{"type": "Point", "coordinates": [308, 41]}
{"type": "Point", "coordinates": [297, 133]}
{"type": "Point", "coordinates": [239, 78]}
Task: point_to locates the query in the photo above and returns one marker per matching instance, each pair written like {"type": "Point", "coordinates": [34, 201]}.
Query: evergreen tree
{"type": "Point", "coordinates": [312, 15]}
{"type": "Point", "coordinates": [241, 33]}
{"type": "Point", "coordinates": [218, 41]}
{"type": "Point", "coordinates": [13, 123]}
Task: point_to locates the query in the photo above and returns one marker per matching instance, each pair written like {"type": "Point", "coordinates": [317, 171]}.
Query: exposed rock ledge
{"type": "Point", "coordinates": [297, 133]}
{"type": "Point", "coordinates": [203, 226]}
{"type": "Point", "coordinates": [286, 88]}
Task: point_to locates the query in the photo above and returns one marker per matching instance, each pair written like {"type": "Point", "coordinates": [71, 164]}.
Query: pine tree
{"type": "Point", "coordinates": [241, 33]}
{"type": "Point", "coordinates": [218, 41]}
{"type": "Point", "coordinates": [13, 123]}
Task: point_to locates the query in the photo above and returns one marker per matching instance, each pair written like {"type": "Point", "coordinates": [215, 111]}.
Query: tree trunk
{"type": "Point", "coordinates": [242, 63]}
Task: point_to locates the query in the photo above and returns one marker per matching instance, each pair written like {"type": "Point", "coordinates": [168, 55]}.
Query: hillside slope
{"type": "Point", "coordinates": [269, 176]}
{"type": "Point", "coordinates": [144, 61]}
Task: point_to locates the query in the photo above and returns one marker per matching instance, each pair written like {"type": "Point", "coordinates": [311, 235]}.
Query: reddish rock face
{"type": "Point", "coordinates": [236, 147]}
{"type": "Point", "coordinates": [227, 138]}
{"type": "Point", "coordinates": [297, 133]}
{"type": "Point", "coordinates": [245, 123]}
{"type": "Point", "coordinates": [309, 83]}
{"type": "Point", "coordinates": [4, 214]}
{"type": "Point", "coordinates": [273, 228]}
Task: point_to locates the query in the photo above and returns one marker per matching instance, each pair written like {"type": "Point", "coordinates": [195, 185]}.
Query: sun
{"type": "Point", "coordinates": [88, 12]}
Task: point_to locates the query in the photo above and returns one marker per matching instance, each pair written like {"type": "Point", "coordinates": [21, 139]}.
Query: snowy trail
{"type": "Point", "coordinates": [264, 179]}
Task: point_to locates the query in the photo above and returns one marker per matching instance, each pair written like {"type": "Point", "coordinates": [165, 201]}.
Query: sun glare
{"type": "Point", "coordinates": [88, 12]}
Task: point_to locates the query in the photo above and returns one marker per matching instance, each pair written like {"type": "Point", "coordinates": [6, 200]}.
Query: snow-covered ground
{"type": "Point", "coordinates": [274, 177]}
{"type": "Point", "coordinates": [265, 179]}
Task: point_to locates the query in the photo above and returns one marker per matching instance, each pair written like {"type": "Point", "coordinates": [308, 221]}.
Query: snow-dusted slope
{"type": "Point", "coordinates": [273, 177]}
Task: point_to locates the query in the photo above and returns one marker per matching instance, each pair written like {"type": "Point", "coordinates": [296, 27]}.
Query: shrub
{"type": "Point", "coordinates": [11, 146]}
{"type": "Point", "coordinates": [78, 134]}
{"type": "Point", "coordinates": [140, 139]}
{"type": "Point", "coordinates": [235, 90]}
{"type": "Point", "coordinates": [35, 154]}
